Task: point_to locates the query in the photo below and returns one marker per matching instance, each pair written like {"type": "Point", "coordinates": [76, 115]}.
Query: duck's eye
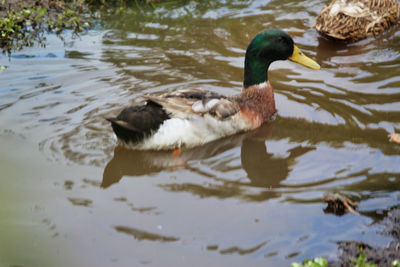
{"type": "Point", "coordinates": [284, 42]}
{"type": "Point", "coordinates": [280, 38]}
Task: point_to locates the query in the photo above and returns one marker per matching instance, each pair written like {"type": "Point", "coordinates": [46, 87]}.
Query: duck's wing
{"type": "Point", "coordinates": [186, 103]}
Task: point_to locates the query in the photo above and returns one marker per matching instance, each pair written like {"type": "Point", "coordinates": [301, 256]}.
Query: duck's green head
{"type": "Point", "coordinates": [267, 47]}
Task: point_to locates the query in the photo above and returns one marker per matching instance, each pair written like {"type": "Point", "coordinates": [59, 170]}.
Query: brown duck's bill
{"type": "Point", "coordinates": [302, 59]}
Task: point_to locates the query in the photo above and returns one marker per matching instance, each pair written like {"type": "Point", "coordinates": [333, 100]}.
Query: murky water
{"type": "Point", "coordinates": [70, 196]}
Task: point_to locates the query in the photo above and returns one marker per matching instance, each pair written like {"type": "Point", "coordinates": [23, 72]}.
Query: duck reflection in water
{"type": "Point", "coordinates": [264, 170]}
{"type": "Point", "coordinates": [127, 162]}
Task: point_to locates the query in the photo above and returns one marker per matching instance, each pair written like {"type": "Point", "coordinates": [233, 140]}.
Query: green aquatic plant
{"type": "Point", "coordinates": [316, 262]}
{"type": "Point", "coordinates": [361, 261]}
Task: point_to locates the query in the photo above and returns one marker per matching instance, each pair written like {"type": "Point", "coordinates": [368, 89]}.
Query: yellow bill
{"type": "Point", "coordinates": [302, 59]}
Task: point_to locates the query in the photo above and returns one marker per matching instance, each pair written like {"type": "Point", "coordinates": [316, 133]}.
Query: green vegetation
{"type": "Point", "coordinates": [361, 261]}
{"type": "Point", "coordinates": [317, 262]}
{"type": "Point", "coordinates": [21, 24]}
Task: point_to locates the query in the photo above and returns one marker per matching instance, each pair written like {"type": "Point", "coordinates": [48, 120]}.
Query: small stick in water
{"type": "Point", "coordinates": [339, 205]}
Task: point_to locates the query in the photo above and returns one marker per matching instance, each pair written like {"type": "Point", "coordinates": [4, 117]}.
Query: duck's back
{"type": "Point", "coordinates": [353, 20]}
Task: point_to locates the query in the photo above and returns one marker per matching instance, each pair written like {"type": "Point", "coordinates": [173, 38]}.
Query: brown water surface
{"type": "Point", "coordinates": [69, 196]}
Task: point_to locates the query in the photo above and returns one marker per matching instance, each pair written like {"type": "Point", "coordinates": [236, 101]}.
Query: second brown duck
{"type": "Point", "coordinates": [353, 20]}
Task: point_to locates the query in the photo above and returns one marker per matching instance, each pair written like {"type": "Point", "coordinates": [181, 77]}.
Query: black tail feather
{"type": "Point", "coordinates": [134, 123]}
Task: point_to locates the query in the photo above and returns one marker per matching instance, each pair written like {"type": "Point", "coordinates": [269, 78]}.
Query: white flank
{"type": "Point", "coordinates": [196, 130]}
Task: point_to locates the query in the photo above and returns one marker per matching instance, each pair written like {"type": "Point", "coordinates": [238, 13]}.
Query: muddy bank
{"type": "Point", "coordinates": [349, 251]}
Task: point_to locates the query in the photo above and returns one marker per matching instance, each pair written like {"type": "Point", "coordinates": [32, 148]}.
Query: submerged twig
{"type": "Point", "coordinates": [339, 205]}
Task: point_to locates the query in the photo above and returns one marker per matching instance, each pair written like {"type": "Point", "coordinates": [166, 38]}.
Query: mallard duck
{"type": "Point", "coordinates": [192, 117]}
{"type": "Point", "coordinates": [353, 20]}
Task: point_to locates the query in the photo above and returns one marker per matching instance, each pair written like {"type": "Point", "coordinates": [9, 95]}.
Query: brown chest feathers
{"type": "Point", "coordinates": [257, 102]}
{"type": "Point", "coordinates": [353, 20]}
